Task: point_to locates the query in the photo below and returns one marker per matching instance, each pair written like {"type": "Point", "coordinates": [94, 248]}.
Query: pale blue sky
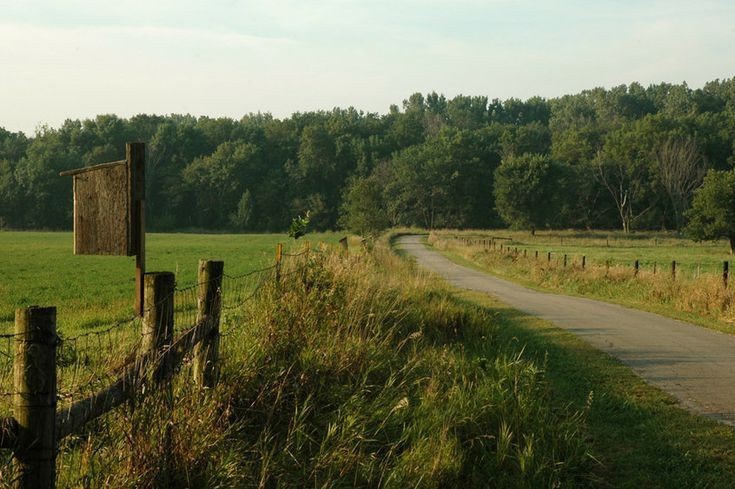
{"type": "Point", "coordinates": [76, 59]}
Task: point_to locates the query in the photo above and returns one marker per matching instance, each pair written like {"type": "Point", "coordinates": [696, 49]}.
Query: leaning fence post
{"type": "Point", "coordinates": [34, 400]}
{"type": "Point", "coordinates": [209, 303]}
{"type": "Point", "coordinates": [158, 319]}
{"type": "Point", "coordinates": [725, 272]}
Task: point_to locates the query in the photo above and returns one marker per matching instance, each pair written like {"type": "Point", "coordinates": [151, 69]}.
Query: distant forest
{"type": "Point", "coordinates": [627, 158]}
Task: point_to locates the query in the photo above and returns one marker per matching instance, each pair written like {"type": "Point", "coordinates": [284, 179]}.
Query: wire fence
{"type": "Point", "coordinates": [678, 269]}
{"type": "Point", "coordinates": [90, 366]}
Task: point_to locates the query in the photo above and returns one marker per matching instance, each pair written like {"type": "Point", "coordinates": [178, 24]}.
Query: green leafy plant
{"type": "Point", "coordinates": [298, 226]}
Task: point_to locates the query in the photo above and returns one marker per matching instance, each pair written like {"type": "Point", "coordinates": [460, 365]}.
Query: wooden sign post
{"type": "Point", "coordinates": [109, 211]}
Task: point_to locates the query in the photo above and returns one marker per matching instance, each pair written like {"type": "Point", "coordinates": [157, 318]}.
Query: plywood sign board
{"type": "Point", "coordinates": [105, 217]}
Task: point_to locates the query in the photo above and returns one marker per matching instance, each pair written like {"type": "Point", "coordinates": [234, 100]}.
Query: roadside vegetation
{"type": "Point", "coordinates": [640, 436]}
{"type": "Point", "coordinates": [697, 292]}
{"type": "Point", "coordinates": [356, 371]}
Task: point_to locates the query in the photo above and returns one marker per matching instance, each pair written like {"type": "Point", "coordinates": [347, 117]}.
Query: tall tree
{"type": "Point", "coordinates": [712, 215]}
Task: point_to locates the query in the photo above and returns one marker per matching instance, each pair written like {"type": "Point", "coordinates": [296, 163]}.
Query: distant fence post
{"type": "Point", "coordinates": [565, 261]}
{"type": "Point", "coordinates": [279, 258]}
{"type": "Point", "coordinates": [584, 261]}
{"type": "Point", "coordinates": [635, 268]}
{"type": "Point", "coordinates": [536, 254]}
{"type": "Point", "coordinates": [548, 257]}
{"type": "Point", "coordinates": [673, 269]}
{"type": "Point", "coordinates": [344, 244]}
{"type": "Point", "coordinates": [34, 400]}
{"type": "Point", "coordinates": [725, 272]}
{"type": "Point", "coordinates": [654, 268]}
{"type": "Point", "coordinates": [209, 303]}
{"type": "Point", "coordinates": [158, 318]}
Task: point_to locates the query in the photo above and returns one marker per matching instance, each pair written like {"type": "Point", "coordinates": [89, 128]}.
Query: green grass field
{"type": "Point", "coordinates": [39, 268]}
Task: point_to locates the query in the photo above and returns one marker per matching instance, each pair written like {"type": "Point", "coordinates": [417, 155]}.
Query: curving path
{"type": "Point", "coordinates": [694, 364]}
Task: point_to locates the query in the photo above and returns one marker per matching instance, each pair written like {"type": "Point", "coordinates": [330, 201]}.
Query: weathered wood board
{"type": "Point", "coordinates": [102, 212]}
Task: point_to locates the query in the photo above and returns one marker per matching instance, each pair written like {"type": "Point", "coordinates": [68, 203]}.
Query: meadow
{"type": "Point", "coordinates": [361, 370]}
{"type": "Point", "coordinates": [352, 371]}
{"type": "Point", "coordinates": [696, 293]}
{"type": "Point", "coordinates": [39, 268]}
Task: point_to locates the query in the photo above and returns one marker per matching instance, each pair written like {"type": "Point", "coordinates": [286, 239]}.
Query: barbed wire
{"type": "Point", "coordinates": [88, 363]}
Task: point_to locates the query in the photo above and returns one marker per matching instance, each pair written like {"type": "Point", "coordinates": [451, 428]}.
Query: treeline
{"type": "Point", "coordinates": [628, 157]}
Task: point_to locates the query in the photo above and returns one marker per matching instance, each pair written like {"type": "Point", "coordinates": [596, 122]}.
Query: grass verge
{"type": "Point", "coordinates": [639, 434]}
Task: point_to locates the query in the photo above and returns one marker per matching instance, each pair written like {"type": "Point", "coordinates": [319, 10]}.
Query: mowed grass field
{"type": "Point", "coordinates": [40, 268]}
{"type": "Point", "coordinates": [616, 247]}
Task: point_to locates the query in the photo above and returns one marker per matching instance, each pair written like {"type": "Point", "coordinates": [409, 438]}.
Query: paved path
{"type": "Point", "coordinates": [694, 364]}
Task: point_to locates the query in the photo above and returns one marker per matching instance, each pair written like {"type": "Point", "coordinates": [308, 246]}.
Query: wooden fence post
{"type": "Point", "coordinates": [34, 400]}
{"type": "Point", "coordinates": [584, 261]}
{"type": "Point", "coordinates": [725, 272]}
{"type": "Point", "coordinates": [565, 261]}
{"type": "Point", "coordinates": [548, 257]}
{"type": "Point", "coordinates": [673, 269]}
{"type": "Point", "coordinates": [635, 268]}
{"type": "Point", "coordinates": [654, 268]}
{"type": "Point", "coordinates": [536, 254]}
{"type": "Point", "coordinates": [279, 259]}
{"type": "Point", "coordinates": [344, 244]}
{"type": "Point", "coordinates": [158, 318]}
{"type": "Point", "coordinates": [209, 304]}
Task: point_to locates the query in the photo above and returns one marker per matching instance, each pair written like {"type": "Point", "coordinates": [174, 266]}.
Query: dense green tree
{"type": "Point", "coordinates": [712, 215]}
{"type": "Point", "coordinates": [363, 210]}
{"type": "Point", "coordinates": [528, 191]}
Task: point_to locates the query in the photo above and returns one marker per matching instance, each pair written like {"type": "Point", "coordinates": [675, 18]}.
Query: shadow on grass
{"type": "Point", "coordinates": [640, 435]}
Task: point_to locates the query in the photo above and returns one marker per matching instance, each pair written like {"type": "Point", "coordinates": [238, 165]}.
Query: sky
{"type": "Point", "coordinates": [75, 59]}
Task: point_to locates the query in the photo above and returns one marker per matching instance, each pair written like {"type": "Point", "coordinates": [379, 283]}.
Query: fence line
{"type": "Point", "coordinates": [636, 265]}
{"type": "Point", "coordinates": [76, 370]}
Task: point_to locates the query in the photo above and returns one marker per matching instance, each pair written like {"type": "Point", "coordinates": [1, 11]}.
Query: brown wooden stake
{"type": "Point", "coordinates": [584, 262]}
{"type": "Point", "coordinates": [537, 254]}
{"type": "Point", "coordinates": [344, 244]}
{"type": "Point", "coordinates": [565, 260]}
{"type": "Point", "coordinates": [635, 268]}
{"type": "Point", "coordinates": [673, 269]}
{"type": "Point", "coordinates": [725, 272]}
{"type": "Point", "coordinates": [654, 268]}
{"type": "Point", "coordinates": [548, 257]}
{"type": "Point", "coordinates": [279, 258]}
{"type": "Point", "coordinates": [34, 400]}
{"type": "Point", "coordinates": [135, 157]}
{"type": "Point", "coordinates": [158, 318]}
{"type": "Point", "coordinates": [209, 303]}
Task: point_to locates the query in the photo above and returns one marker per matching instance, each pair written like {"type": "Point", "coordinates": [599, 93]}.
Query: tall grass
{"type": "Point", "coordinates": [702, 296]}
{"type": "Point", "coordinates": [355, 371]}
